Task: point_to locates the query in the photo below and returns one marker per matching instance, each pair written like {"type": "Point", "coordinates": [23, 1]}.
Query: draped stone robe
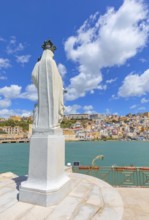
{"type": "Point", "coordinates": [48, 113]}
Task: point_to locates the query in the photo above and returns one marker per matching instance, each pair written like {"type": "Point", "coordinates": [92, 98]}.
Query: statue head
{"type": "Point", "coordinates": [48, 45]}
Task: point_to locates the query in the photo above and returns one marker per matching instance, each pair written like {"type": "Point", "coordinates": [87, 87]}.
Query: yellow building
{"type": "Point", "coordinates": [15, 118]}
{"type": "Point", "coordinates": [69, 135]}
{"type": "Point", "coordinates": [146, 114]}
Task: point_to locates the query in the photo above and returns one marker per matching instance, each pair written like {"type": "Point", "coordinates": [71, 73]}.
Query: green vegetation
{"type": "Point", "coordinates": [67, 123]}
{"type": "Point", "coordinates": [2, 132]}
{"type": "Point", "coordinates": [12, 123]}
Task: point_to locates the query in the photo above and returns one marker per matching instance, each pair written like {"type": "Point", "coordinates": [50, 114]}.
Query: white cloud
{"type": "Point", "coordinates": [30, 93]}
{"type": "Point", "coordinates": [6, 113]}
{"type": "Point", "coordinates": [4, 63]}
{"type": "Point", "coordinates": [135, 85]}
{"type": "Point", "coordinates": [111, 81]}
{"type": "Point", "coordinates": [141, 108]}
{"type": "Point", "coordinates": [62, 69]}
{"type": "Point", "coordinates": [92, 92]}
{"type": "Point", "coordinates": [5, 103]}
{"type": "Point", "coordinates": [142, 60]}
{"type": "Point", "coordinates": [108, 111]}
{"type": "Point", "coordinates": [73, 109]}
{"type": "Point", "coordinates": [80, 84]}
{"type": "Point", "coordinates": [25, 113]}
{"type": "Point", "coordinates": [2, 77]}
{"type": "Point", "coordinates": [88, 109]}
{"type": "Point", "coordinates": [105, 41]}
{"type": "Point", "coordinates": [133, 106]}
{"type": "Point", "coordinates": [115, 97]}
{"type": "Point", "coordinates": [23, 59]}
{"type": "Point", "coordinates": [13, 46]}
{"type": "Point", "coordinates": [15, 92]}
{"type": "Point", "coordinates": [10, 92]}
{"type": "Point", "coordinates": [144, 100]}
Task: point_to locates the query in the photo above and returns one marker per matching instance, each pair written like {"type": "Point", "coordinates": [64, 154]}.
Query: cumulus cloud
{"type": "Point", "coordinates": [13, 46]}
{"type": "Point", "coordinates": [114, 97]}
{"type": "Point", "coordinates": [135, 85]}
{"type": "Point", "coordinates": [23, 59]}
{"type": "Point", "coordinates": [5, 103]}
{"type": "Point", "coordinates": [88, 109]}
{"type": "Point", "coordinates": [6, 113]}
{"type": "Point", "coordinates": [3, 77]}
{"type": "Point", "coordinates": [7, 93]}
{"type": "Point", "coordinates": [4, 63]}
{"type": "Point", "coordinates": [25, 113]}
{"type": "Point", "coordinates": [110, 81]}
{"type": "Point", "coordinates": [30, 93]}
{"type": "Point", "coordinates": [62, 69]}
{"type": "Point", "coordinates": [108, 111]}
{"type": "Point", "coordinates": [144, 100]}
{"type": "Point", "coordinates": [15, 92]}
{"type": "Point", "coordinates": [10, 92]}
{"type": "Point", "coordinates": [133, 106]}
{"type": "Point", "coordinates": [73, 109]}
{"type": "Point", "coordinates": [142, 108]}
{"type": "Point", "coordinates": [142, 60]}
{"type": "Point", "coordinates": [105, 41]}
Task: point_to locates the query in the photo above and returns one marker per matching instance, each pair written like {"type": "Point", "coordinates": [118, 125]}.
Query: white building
{"type": "Point", "coordinates": [12, 130]}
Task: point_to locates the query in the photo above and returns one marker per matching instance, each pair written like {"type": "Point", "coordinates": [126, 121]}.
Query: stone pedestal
{"type": "Point", "coordinates": [47, 182]}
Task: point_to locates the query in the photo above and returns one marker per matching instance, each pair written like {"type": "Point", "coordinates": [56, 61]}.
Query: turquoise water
{"type": "Point", "coordinates": [14, 157]}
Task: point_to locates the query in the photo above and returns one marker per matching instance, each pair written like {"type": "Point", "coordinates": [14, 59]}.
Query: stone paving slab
{"type": "Point", "coordinates": [89, 199]}
{"type": "Point", "coordinates": [136, 203]}
{"type": "Point", "coordinates": [96, 200]}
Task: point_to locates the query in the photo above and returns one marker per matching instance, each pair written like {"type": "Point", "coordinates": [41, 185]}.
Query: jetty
{"type": "Point", "coordinates": [4, 141]}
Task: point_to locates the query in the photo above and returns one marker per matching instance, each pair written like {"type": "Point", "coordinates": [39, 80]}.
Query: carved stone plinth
{"type": "Point", "coordinates": [47, 182]}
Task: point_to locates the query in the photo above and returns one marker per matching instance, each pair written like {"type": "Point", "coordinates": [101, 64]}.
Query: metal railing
{"type": "Point", "coordinates": [117, 175]}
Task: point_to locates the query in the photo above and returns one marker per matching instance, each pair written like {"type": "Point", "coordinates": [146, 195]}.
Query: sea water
{"type": "Point", "coordinates": [14, 156]}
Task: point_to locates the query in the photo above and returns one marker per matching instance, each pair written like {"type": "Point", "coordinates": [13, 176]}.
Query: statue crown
{"type": "Point", "coordinates": [48, 45]}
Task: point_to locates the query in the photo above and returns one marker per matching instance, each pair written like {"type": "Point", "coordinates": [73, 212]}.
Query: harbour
{"type": "Point", "coordinates": [14, 156]}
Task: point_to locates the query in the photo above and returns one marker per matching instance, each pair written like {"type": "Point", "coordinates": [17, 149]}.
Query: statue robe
{"type": "Point", "coordinates": [50, 108]}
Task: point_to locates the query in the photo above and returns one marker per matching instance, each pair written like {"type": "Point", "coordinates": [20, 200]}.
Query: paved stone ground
{"type": "Point", "coordinates": [89, 199]}
{"type": "Point", "coordinates": [136, 203]}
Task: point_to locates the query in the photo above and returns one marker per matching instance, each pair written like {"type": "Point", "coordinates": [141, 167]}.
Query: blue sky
{"type": "Point", "coordinates": [102, 54]}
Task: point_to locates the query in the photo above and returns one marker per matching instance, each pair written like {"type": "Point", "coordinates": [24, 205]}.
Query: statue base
{"type": "Point", "coordinates": [47, 181]}
{"type": "Point", "coordinates": [43, 197]}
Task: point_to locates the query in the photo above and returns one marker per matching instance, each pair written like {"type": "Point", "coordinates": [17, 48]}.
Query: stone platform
{"type": "Point", "coordinates": [89, 199]}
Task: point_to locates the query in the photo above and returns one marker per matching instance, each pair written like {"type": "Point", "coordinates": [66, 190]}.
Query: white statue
{"type": "Point", "coordinates": [47, 182]}
{"type": "Point", "coordinates": [48, 113]}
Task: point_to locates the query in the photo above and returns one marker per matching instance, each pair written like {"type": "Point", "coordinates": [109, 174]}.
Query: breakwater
{"type": "Point", "coordinates": [4, 141]}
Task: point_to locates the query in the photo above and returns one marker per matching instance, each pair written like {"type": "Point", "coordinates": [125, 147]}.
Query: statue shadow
{"type": "Point", "coordinates": [18, 180]}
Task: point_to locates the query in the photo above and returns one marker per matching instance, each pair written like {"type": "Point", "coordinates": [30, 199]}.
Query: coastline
{"type": "Point", "coordinates": [77, 140]}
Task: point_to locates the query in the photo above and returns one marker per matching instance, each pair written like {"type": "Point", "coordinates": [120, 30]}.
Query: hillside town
{"type": "Point", "coordinates": [84, 127]}
{"type": "Point", "coordinates": [108, 127]}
